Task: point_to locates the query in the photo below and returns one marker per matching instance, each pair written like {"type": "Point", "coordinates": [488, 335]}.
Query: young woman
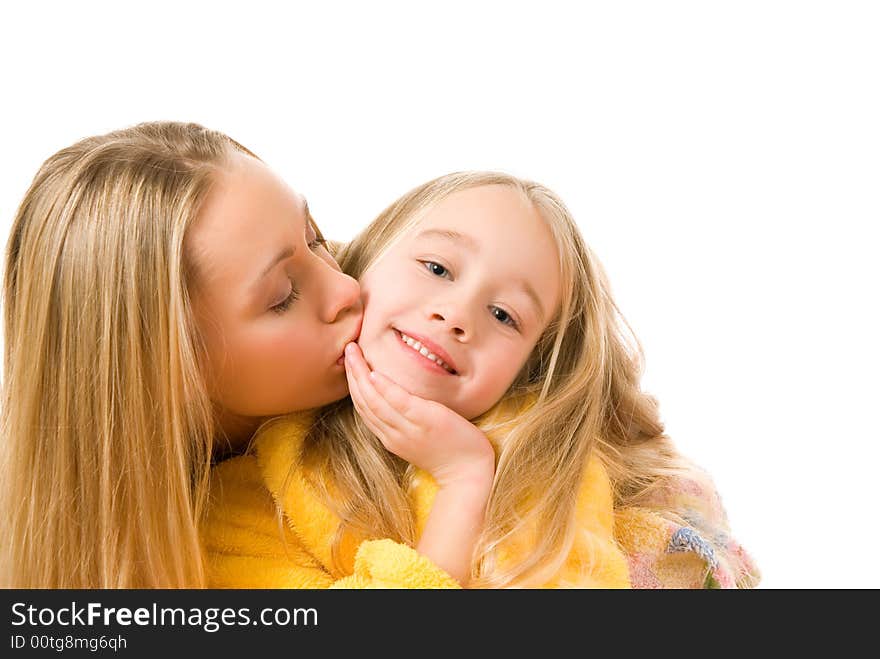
{"type": "Point", "coordinates": [151, 323]}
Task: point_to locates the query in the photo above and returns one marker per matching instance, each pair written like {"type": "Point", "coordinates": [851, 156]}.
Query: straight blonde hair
{"type": "Point", "coordinates": [578, 393]}
{"type": "Point", "coordinates": [107, 428]}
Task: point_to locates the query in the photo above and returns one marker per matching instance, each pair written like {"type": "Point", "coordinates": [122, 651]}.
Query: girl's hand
{"type": "Point", "coordinates": [424, 433]}
{"type": "Point", "coordinates": [431, 436]}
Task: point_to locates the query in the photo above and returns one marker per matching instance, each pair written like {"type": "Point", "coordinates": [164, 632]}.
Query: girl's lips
{"type": "Point", "coordinates": [421, 359]}
{"type": "Point", "coordinates": [432, 347]}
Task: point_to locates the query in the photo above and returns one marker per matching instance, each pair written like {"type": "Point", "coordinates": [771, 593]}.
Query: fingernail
{"type": "Point", "coordinates": [349, 348]}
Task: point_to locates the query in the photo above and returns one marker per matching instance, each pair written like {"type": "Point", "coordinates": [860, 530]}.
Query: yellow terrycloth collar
{"type": "Point", "coordinates": [277, 449]}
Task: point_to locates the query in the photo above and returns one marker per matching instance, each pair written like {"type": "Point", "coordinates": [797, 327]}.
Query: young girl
{"type": "Point", "coordinates": [144, 336]}
{"type": "Point", "coordinates": [495, 420]}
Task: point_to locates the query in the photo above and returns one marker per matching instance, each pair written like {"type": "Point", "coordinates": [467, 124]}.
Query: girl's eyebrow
{"type": "Point", "coordinates": [468, 243]}
{"type": "Point", "coordinates": [465, 241]}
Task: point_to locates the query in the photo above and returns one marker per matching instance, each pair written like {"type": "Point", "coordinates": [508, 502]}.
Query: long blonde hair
{"type": "Point", "coordinates": [578, 393]}
{"type": "Point", "coordinates": [107, 428]}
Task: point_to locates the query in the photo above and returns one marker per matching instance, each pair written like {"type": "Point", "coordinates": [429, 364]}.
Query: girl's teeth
{"type": "Point", "coordinates": [415, 345]}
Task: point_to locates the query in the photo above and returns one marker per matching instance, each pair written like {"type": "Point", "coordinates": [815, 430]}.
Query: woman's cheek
{"type": "Point", "coordinates": [265, 357]}
{"type": "Point", "coordinates": [296, 344]}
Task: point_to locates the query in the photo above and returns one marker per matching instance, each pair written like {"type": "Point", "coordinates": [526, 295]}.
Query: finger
{"type": "Point", "coordinates": [376, 425]}
{"type": "Point", "coordinates": [398, 397]}
{"type": "Point", "coordinates": [355, 390]}
{"type": "Point", "coordinates": [406, 405]}
{"type": "Point", "coordinates": [366, 391]}
{"type": "Point", "coordinates": [390, 438]}
{"type": "Point", "coordinates": [354, 361]}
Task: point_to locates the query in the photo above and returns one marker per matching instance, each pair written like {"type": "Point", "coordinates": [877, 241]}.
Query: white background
{"type": "Point", "coordinates": [721, 158]}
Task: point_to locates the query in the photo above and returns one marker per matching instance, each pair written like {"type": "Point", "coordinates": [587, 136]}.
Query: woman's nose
{"type": "Point", "coordinates": [343, 293]}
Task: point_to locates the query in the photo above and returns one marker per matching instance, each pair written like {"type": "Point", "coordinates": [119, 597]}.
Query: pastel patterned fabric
{"type": "Point", "coordinates": [693, 549]}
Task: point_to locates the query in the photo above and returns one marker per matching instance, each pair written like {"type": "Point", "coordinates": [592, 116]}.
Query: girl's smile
{"type": "Point", "coordinates": [425, 356]}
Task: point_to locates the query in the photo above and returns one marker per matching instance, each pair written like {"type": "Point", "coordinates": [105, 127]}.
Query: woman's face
{"type": "Point", "coordinates": [270, 302]}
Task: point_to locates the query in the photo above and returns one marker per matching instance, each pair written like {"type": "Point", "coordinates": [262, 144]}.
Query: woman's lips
{"type": "Point", "coordinates": [357, 333]}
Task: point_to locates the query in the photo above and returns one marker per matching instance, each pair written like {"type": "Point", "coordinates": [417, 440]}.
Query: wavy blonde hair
{"type": "Point", "coordinates": [107, 428]}
{"type": "Point", "coordinates": [577, 393]}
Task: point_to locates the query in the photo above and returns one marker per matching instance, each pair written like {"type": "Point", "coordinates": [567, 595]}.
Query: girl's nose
{"type": "Point", "coordinates": [455, 321]}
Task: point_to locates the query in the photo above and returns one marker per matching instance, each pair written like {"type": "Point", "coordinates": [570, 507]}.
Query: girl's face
{"type": "Point", "coordinates": [473, 284]}
{"type": "Point", "coordinates": [270, 301]}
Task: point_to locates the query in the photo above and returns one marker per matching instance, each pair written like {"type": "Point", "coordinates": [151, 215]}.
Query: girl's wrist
{"type": "Point", "coordinates": [475, 478]}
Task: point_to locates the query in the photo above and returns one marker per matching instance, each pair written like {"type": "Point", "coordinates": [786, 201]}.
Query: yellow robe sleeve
{"type": "Point", "coordinates": [389, 564]}
{"type": "Point", "coordinates": [248, 545]}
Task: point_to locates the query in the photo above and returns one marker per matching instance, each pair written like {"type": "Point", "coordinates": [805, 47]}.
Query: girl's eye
{"type": "Point", "coordinates": [316, 243]}
{"type": "Point", "coordinates": [284, 305]}
{"type": "Point", "coordinates": [436, 268]}
{"type": "Point", "coordinates": [504, 317]}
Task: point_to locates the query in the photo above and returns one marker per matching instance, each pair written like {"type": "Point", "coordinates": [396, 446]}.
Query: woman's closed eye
{"type": "Point", "coordinates": [293, 296]}
{"type": "Point", "coordinates": [284, 305]}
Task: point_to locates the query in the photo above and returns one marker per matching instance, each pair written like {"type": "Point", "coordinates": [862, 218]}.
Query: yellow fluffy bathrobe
{"type": "Point", "coordinates": [249, 545]}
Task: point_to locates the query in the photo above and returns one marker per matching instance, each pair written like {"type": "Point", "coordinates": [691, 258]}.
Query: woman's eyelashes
{"type": "Point", "coordinates": [293, 296]}
{"type": "Point", "coordinates": [498, 313]}
{"type": "Point", "coordinates": [284, 305]}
